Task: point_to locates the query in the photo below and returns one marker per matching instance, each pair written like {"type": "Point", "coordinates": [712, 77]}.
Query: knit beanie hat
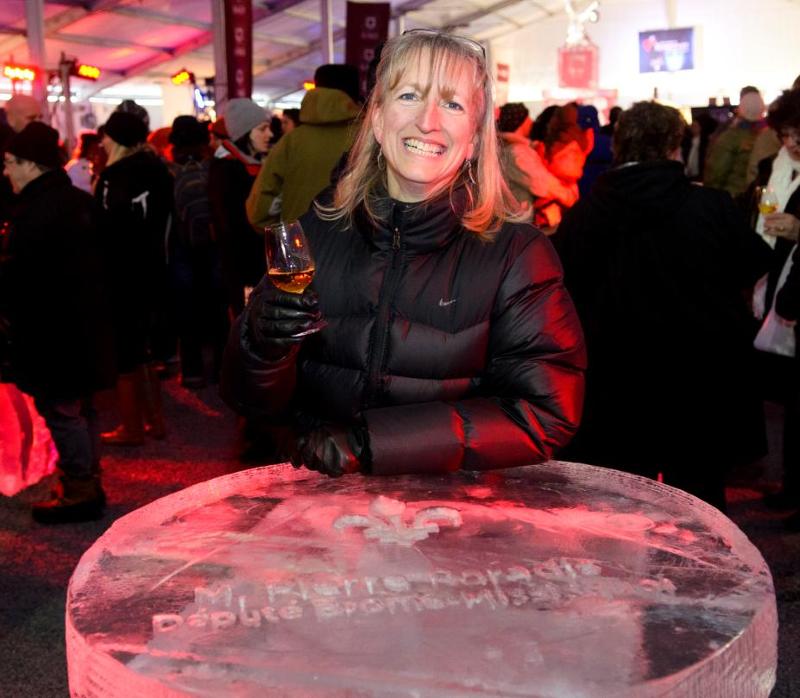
{"type": "Point", "coordinates": [187, 132]}
{"type": "Point", "coordinates": [511, 116]}
{"type": "Point", "coordinates": [38, 143]}
{"type": "Point", "coordinates": [242, 115]}
{"type": "Point", "coordinates": [126, 129]}
{"type": "Point", "coordinates": [130, 107]}
{"type": "Point", "coordinates": [339, 76]}
{"type": "Point", "coordinates": [751, 106]}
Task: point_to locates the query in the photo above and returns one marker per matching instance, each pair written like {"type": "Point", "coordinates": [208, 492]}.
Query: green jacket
{"type": "Point", "coordinates": [726, 163]}
{"type": "Point", "coordinates": [299, 165]}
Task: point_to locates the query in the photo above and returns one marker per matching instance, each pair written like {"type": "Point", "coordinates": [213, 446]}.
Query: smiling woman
{"type": "Point", "coordinates": [451, 342]}
{"type": "Point", "coordinates": [426, 130]}
{"type": "Point", "coordinates": [429, 126]}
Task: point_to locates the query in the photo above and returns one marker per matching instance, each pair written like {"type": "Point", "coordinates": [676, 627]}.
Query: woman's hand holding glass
{"type": "Point", "coordinates": [277, 321]}
{"type": "Point", "coordinates": [283, 311]}
{"type": "Point", "coordinates": [776, 223]}
{"type": "Point", "coordinates": [782, 225]}
{"type": "Point", "coordinates": [290, 264]}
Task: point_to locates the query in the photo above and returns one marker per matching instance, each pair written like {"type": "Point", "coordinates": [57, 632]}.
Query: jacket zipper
{"type": "Point", "coordinates": [376, 359]}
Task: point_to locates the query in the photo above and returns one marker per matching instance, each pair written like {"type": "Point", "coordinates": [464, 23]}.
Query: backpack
{"type": "Point", "coordinates": [192, 206]}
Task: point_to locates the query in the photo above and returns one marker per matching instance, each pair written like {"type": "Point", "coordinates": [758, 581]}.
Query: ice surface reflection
{"type": "Point", "coordinates": [553, 580]}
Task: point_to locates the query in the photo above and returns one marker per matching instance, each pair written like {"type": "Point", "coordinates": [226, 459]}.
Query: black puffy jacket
{"type": "Point", "coordinates": [53, 292]}
{"type": "Point", "coordinates": [455, 353]}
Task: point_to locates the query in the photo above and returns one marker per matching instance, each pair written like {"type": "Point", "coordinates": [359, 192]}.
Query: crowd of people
{"type": "Point", "coordinates": [479, 271]}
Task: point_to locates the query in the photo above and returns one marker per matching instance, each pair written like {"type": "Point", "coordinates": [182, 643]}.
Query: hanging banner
{"type": "Point", "coordinates": [577, 66]}
{"type": "Point", "coordinates": [367, 28]}
{"type": "Point", "coordinates": [666, 49]}
{"type": "Point", "coordinates": [239, 47]}
{"type": "Point", "coordinates": [501, 80]}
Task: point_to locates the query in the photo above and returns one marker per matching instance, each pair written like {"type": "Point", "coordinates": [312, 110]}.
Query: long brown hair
{"type": "Point", "coordinates": [489, 200]}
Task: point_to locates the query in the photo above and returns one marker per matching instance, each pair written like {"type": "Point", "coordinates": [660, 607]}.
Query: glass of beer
{"type": "Point", "coordinates": [290, 265]}
{"type": "Point", "coordinates": [767, 201]}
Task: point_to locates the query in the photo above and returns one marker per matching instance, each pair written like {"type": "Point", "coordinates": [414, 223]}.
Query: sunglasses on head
{"type": "Point", "coordinates": [474, 45]}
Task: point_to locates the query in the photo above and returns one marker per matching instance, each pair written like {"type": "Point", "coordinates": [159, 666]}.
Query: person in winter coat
{"type": "Point", "coordinates": [526, 173]}
{"type": "Point", "coordinates": [53, 309]}
{"type": "Point", "coordinates": [780, 229]}
{"type": "Point", "coordinates": [79, 168]}
{"type": "Point", "coordinates": [451, 342]}
{"type": "Point", "coordinates": [20, 111]}
{"type": "Point", "coordinates": [787, 305]}
{"type": "Point", "coordinates": [231, 175]}
{"type": "Point", "coordinates": [658, 269]}
{"type": "Point", "coordinates": [195, 263]}
{"type": "Point", "coordinates": [134, 192]}
{"type": "Point", "coordinates": [599, 158]}
{"type": "Point", "coordinates": [564, 150]}
{"type": "Point", "coordinates": [729, 153]}
{"type": "Point", "coordinates": [299, 166]}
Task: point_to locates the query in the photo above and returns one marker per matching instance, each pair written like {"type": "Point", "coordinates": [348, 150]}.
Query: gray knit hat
{"type": "Point", "coordinates": [242, 115]}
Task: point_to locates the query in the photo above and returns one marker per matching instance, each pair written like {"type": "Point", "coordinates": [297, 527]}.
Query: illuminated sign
{"type": "Point", "coordinates": [182, 77]}
{"type": "Point", "coordinates": [88, 72]}
{"type": "Point", "coordinates": [19, 72]}
{"type": "Point", "coordinates": [309, 85]}
{"type": "Point", "coordinates": [666, 50]}
{"type": "Point", "coordinates": [199, 99]}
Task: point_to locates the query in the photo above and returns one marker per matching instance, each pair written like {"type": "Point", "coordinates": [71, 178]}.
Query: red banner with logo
{"type": "Point", "coordinates": [577, 66]}
{"type": "Point", "coordinates": [367, 28]}
{"type": "Point", "coordinates": [239, 47]}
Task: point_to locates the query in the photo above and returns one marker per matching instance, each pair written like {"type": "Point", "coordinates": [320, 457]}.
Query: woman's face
{"type": "Point", "coordinates": [425, 138]}
{"type": "Point", "coordinates": [790, 137]}
{"type": "Point", "coordinates": [259, 137]}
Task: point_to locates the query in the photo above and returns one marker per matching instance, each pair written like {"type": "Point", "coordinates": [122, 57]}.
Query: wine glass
{"type": "Point", "coordinates": [290, 264]}
{"type": "Point", "coordinates": [767, 200]}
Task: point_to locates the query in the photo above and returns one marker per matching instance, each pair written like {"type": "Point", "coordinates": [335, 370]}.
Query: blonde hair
{"type": "Point", "coordinates": [119, 151]}
{"type": "Point", "coordinates": [489, 200]}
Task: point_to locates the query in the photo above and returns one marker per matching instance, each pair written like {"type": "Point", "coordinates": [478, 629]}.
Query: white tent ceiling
{"type": "Point", "coordinates": [147, 40]}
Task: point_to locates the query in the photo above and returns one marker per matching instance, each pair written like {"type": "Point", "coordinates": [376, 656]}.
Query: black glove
{"type": "Point", "coordinates": [331, 450]}
{"type": "Point", "coordinates": [274, 318]}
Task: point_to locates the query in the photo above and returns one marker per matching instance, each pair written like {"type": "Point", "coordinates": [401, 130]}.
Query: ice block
{"type": "Point", "coordinates": [558, 579]}
{"type": "Point", "coordinates": [27, 453]}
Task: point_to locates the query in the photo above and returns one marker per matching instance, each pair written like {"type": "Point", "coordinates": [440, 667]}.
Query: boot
{"type": "Point", "coordinates": [152, 404]}
{"type": "Point", "coordinates": [131, 431]}
{"type": "Point", "coordinates": [77, 499]}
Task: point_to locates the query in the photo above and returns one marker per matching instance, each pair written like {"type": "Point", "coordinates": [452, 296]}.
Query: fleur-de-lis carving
{"type": "Point", "coordinates": [386, 524]}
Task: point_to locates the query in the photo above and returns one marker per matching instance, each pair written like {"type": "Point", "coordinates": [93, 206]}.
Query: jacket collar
{"type": "Point", "coordinates": [624, 192]}
{"type": "Point", "coordinates": [423, 226]}
{"type": "Point", "coordinates": [233, 153]}
{"type": "Point", "coordinates": [43, 183]}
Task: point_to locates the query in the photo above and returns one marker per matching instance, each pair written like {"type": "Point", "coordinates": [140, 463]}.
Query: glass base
{"type": "Point", "coordinates": [316, 327]}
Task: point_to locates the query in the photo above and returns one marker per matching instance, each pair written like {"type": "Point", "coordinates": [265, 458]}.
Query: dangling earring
{"type": "Point", "coordinates": [470, 176]}
{"type": "Point", "coordinates": [381, 163]}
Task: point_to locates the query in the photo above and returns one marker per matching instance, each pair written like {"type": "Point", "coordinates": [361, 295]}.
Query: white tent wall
{"type": "Point", "coordinates": [737, 42]}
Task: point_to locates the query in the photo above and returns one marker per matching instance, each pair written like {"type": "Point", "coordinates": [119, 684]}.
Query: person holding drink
{"type": "Point", "coordinates": [436, 333]}
{"type": "Point", "coordinates": [777, 187]}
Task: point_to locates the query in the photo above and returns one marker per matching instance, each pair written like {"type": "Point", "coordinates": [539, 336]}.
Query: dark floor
{"type": "Point", "coordinates": [36, 561]}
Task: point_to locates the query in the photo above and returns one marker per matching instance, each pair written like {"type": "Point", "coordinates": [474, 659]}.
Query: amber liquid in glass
{"type": "Point", "coordinates": [291, 281]}
{"type": "Point", "coordinates": [765, 209]}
